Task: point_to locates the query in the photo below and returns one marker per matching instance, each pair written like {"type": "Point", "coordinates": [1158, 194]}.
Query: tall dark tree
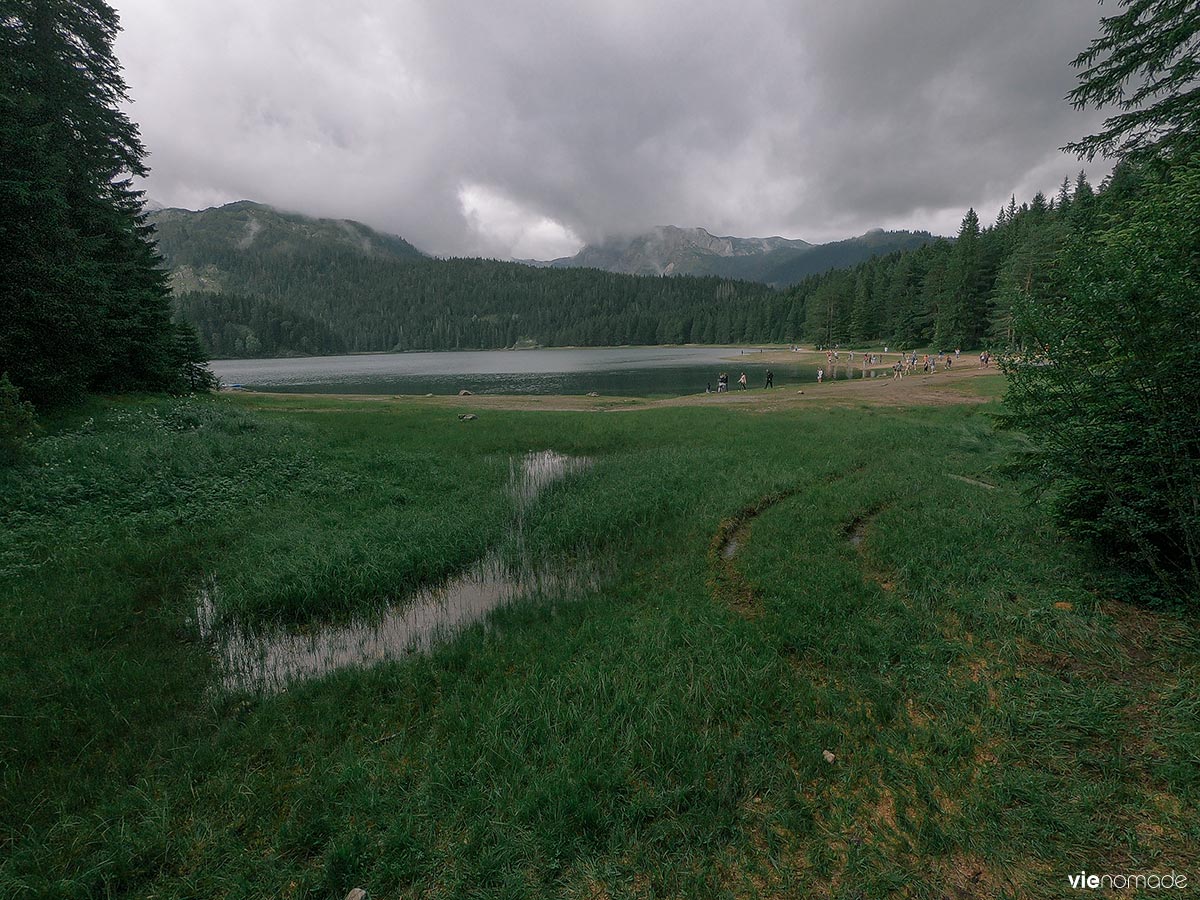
{"type": "Point", "coordinates": [1105, 390]}
{"type": "Point", "coordinates": [957, 323]}
{"type": "Point", "coordinates": [86, 305]}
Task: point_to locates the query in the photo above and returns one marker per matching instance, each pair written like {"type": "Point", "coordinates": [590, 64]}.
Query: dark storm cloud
{"type": "Point", "coordinates": [522, 128]}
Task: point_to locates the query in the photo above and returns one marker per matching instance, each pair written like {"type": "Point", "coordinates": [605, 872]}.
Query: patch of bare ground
{"type": "Point", "coordinates": [943, 389]}
{"type": "Point", "coordinates": [968, 876]}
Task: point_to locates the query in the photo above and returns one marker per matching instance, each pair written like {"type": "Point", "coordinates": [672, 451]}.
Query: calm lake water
{"type": "Point", "coordinates": [621, 371]}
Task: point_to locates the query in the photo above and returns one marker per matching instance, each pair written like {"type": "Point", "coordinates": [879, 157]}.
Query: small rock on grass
{"type": "Point", "coordinates": [464, 393]}
{"type": "Point", "coordinates": [468, 417]}
{"type": "Point", "coordinates": [357, 894]}
{"type": "Point", "coordinates": [829, 757]}
{"type": "Point", "coordinates": [593, 394]}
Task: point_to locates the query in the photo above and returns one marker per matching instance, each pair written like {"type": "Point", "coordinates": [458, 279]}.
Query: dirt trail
{"type": "Point", "coordinates": [942, 389]}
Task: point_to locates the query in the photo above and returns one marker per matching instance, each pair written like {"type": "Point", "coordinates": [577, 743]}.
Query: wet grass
{"type": "Point", "coordinates": [995, 724]}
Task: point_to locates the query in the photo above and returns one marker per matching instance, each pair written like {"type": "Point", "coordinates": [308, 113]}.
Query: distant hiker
{"type": "Point", "coordinates": [770, 379]}
{"type": "Point", "coordinates": [742, 381]}
{"type": "Point", "coordinates": [957, 352]}
{"type": "Point", "coordinates": [722, 382]}
{"type": "Point", "coordinates": [708, 387]}
{"type": "Point", "coordinates": [820, 375]}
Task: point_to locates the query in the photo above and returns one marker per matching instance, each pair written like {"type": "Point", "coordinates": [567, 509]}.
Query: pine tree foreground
{"type": "Point", "coordinates": [87, 307]}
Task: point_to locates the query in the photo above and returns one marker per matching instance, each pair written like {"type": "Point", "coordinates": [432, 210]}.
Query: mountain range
{"type": "Point", "coordinates": [670, 250]}
{"type": "Point", "coordinates": [188, 238]}
{"type": "Point", "coordinates": [258, 281]}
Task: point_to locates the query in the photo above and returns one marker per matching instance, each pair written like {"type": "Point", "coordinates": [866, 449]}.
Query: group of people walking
{"type": "Point", "coordinates": [743, 382]}
{"type": "Point", "coordinates": [930, 363]}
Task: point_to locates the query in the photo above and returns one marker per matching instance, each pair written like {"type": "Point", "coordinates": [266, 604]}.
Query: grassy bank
{"type": "Point", "coordinates": [994, 722]}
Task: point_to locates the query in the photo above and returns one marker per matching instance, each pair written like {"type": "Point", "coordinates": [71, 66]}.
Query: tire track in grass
{"type": "Point", "coordinates": [725, 582]}
{"type": "Point", "coordinates": [855, 531]}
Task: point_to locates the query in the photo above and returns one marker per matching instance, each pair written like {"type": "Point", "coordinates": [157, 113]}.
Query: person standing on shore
{"type": "Point", "coordinates": [820, 375]}
{"type": "Point", "coordinates": [770, 380]}
{"type": "Point", "coordinates": [742, 381]}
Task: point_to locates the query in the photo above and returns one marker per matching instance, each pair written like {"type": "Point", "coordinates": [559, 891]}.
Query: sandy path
{"type": "Point", "coordinates": [942, 389]}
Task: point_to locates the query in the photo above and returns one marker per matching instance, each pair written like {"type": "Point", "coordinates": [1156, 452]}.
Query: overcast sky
{"type": "Point", "coordinates": [525, 128]}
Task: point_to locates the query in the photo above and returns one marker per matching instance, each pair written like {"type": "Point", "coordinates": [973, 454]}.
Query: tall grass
{"type": "Point", "coordinates": [994, 724]}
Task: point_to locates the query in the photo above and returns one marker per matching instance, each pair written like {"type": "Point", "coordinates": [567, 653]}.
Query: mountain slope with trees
{"type": "Point", "coordinates": [257, 282]}
{"type": "Point", "coordinates": [296, 285]}
{"type": "Point", "coordinates": [948, 293]}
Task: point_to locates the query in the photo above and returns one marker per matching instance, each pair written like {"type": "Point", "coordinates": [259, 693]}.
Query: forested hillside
{"type": "Point", "coordinates": [258, 282]}
{"type": "Point", "coordinates": [290, 285]}
{"type": "Point", "coordinates": [336, 302]}
{"type": "Point", "coordinates": [953, 293]}
{"type": "Point", "coordinates": [784, 268]}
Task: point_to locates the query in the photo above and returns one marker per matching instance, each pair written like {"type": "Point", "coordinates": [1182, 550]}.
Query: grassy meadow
{"type": "Point", "coordinates": [897, 680]}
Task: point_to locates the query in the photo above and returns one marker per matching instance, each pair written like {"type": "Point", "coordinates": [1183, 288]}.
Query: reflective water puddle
{"type": "Point", "coordinates": [268, 660]}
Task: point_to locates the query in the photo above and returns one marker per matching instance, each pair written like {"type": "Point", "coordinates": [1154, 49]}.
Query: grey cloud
{"type": "Point", "coordinates": [807, 119]}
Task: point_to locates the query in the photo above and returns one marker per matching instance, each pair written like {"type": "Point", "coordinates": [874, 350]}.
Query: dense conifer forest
{"type": "Point", "coordinates": [342, 302]}
{"type": "Point", "coordinates": [86, 306]}
{"type": "Point", "coordinates": [325, 291]}
{"type": "Point", "coordinates": [952, 293]}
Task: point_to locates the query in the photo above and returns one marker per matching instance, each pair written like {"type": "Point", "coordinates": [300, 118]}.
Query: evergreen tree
{"type": "Point", "coordinates": [1145, 62]}
{"type": "Point", "coordinates": [957, 323]}
{"type": "Point", "coordinates": [86, 304]}
{"type": "Point", "coordinates": [1104, 391]}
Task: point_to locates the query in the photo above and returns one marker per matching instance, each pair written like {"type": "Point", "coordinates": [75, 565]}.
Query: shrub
{"type": "Point", "coordinates": [17, 421]}
{"type": "Point", "coordinates": [1107, 389]}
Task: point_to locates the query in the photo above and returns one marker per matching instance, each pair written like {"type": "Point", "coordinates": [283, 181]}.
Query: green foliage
{"type": "Point", "coordinates": [948, 293]}
{"type": "Point", "coordinates": [239, 326]}
{"type": "Point", "coordinates": [1106, 391]}
{"type": "Point", "coordinates": [17, 422]}
{"type": "Point", "coordinates": [86, 305]}
{"type": "Point", "coordinates": [640, 737]}
{"type": "Point", "coordinates": [258, 282]}
{"type": "Point", "coordinates": [335, 300]}
{"type": "Point", "coordinates": [1147, 63]}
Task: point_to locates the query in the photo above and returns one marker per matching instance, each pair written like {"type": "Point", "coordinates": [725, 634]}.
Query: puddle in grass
{"type": "Point", "coordinates": [268, 660]}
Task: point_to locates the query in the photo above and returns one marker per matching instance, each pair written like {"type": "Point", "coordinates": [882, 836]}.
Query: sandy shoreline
{"type": "Point", "coordinates": [942, 388]}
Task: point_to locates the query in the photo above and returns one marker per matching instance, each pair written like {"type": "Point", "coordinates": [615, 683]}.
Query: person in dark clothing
{"type": "Point", "coordinates": [770, 378]}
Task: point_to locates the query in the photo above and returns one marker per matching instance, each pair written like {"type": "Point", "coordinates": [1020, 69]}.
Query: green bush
{"type": "Point", "coordinates": [1106, 390]}
{"type": "Point", "coordinates": [17, 421]}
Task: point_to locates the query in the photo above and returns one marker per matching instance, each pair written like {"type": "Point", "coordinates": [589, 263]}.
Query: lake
{"type": "Point", "coordinates": [619, 371]}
